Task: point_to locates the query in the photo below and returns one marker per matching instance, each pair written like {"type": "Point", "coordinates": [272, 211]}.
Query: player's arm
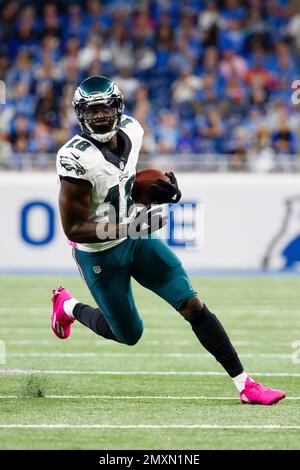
{"type": "Point", "coordinates": [74, 204]}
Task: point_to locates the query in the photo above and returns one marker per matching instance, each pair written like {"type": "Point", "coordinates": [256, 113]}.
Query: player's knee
{"type": "Point", "coordinates": [133, 340]}
{"type": "Point", "coordinates": [192, 308]}
{"type": "Point", "coordinates": [133, 337]}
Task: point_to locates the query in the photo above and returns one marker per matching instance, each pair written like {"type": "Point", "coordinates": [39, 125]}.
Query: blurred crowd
{"type": "Point", "coordinates": [202, 77]}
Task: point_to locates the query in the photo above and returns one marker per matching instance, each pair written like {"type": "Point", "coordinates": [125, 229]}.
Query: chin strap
{"type": "Point", "coordinates": [101, 137]}
{"type": "Point", "coordinates": [104, 137]}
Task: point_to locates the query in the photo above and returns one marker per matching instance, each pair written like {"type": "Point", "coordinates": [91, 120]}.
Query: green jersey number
{"type": "Point", "coordinates": [113, 197]}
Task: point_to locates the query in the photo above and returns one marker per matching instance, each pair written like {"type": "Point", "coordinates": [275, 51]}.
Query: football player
{"type": "Point", "coordinates": [97, 171]}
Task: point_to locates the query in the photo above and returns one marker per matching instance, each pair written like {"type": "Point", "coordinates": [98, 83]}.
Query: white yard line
{"type": "Point", "coordinates": [147, 426]}
{"type": "Point", "coordinates": [163, 330]}
{"type": "Point", "coordinates": [176, 324]}
{"type": "Point", "coordinates": [125, 397]}
{"type": "Point", "coordinates": [43, 311]}
{"type": "Point", "coordinates": [154, 354]}
{"type": "Point", "coordinates": [101, 342]}
{"type": "Point", "coordinates": [204, 355]}
{"type": "Point", "coordinates": [137, 373]}
{"type": "Point", "coordinates": [291, 318]}
{"type": "Point", "coordinates": [65, 355]}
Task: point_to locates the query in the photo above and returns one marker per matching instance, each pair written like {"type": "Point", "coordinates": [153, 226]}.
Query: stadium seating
{"type": "Point", "coordinates": [202, 77]}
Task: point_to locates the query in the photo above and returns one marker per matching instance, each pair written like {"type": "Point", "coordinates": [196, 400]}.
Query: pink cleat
{"type": "Point", "coordinates": [255, 393]}
{"type": "Point", "coordinates": [60, 321]}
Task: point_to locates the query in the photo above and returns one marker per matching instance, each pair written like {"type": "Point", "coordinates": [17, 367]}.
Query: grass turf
{"type": "Point", "coordinates": [261, 316]}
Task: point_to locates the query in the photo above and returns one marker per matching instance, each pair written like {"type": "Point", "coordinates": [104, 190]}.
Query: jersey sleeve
{"type": "Point", "coordinates": [73, 165]}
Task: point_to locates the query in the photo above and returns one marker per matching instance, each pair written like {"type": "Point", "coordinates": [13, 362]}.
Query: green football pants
{"type": "Point", "coordinates": [108, 276]}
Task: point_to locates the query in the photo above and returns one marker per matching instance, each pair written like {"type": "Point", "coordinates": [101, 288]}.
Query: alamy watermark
{"type": "Point", "coordinates": [2, 352]}
{"type": "Point", "coordinates": [181, 225]}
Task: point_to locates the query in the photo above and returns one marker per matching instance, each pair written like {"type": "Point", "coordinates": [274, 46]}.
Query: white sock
{"type": "Point", "coordinates": [240, 381]}
{"type": "Point", "coordinates": [69, 306]}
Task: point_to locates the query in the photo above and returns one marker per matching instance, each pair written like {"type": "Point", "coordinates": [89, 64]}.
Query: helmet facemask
{"type": "Point", "coordinates": [99, 115]}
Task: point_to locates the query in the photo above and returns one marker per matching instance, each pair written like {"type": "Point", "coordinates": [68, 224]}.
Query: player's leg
{"type": "Point", "coordinates": [67, 309]}
{"type": "Point", "coordinates": [116, 317]}
{"type": "Point", "coordinates": [212, 335]}
{"type": "Point", "coordinates": [157, 268]}
{"type": "Point", "coordinates": [108, 278]}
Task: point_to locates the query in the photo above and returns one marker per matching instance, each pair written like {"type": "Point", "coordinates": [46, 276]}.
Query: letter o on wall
{"type": "Point", "coordinates": [49, 226]}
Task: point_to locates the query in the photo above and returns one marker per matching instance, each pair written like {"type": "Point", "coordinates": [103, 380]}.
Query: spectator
{"type": "Point", "coordinates": [143, 26]}
{"type": "Point", "coordinates": [284, 139]}
{"type": "Point", "coordinates": [284, 62]}
{"type": "Point", "coordinates": [167, 132]}
{"type": "Point", "coordinates": [8, 18]}
{"type": "Point", "coordinates": [47, 71]}
{"type": "Point", "coordinates": [74, 24]}
{"type": "Point", "coordinates": [210, 61]}
{"type": "Point", "coordinates": [93, 51]}
{"type": "Point", "coordinates": [293, 29]}
{"type": "Point", "coordinates": [96, 19]}
{"type": "Point", "coordinates": [5, 152]}
{"type": "Point", "coordinates": [41, 139]}
{"type": "Point", "coordinates": [20, 129]}
{"type": "Point", "coordinates": [233, 64]}
{"type": "Point", "coordinates": [127, 84]}
{"type": "Point", "coordinates": [211, 131]}
{"type": "Point", "coordinates": [50, 48]}
{"type": "Point", "coordinates": [186, 140]}
{"type": "Point", "coordinates": [185, 87]}
{"type": "Point", "coordinates": [4, 65]}
{"type": "Point", "coordinates": [120, 46]}
{"type": "Point", "coordinates": [261, 157]}
{"type": "Point", "coordinates": [46, 110]}
{"type": "Point", "coordinates": [144, 114]}
{"type": "Point", "coordinates": [210, 91]}
{"type": "Point", "coordinates": [22, 101]}
{"type": "Point", "coordinates": [52, 22]}
{"type": "Point", "coordinates": [22, 70]}
{"type": "Point", "coordinates": [209, 17]}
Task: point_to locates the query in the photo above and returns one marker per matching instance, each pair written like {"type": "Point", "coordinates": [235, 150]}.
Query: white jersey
{"type": "Point", "coordinates": [111, 177]}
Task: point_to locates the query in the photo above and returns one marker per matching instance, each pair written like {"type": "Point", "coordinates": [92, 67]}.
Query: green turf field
{"type": "Point", "coordinates": [165, 392]}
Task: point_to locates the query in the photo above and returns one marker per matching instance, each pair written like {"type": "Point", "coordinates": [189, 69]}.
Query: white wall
{"type": "Point", "coordinates": [238, 216]}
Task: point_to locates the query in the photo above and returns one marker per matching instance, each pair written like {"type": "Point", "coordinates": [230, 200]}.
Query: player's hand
{"type": "Point", "coordinates": [146, 222]}
{"type": "Point", "coordinates": [163, 191]}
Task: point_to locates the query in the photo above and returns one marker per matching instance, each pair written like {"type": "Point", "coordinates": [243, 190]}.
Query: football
{"type": "Point", "coordinates": [143, 181]}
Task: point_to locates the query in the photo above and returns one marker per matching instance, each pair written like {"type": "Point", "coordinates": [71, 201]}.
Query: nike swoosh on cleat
{"type": "Point", "coordinates": [245, 398]}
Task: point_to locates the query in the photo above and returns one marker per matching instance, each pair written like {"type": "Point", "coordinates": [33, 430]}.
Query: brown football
{"type": "Point", "coordinates": [143, 181]}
